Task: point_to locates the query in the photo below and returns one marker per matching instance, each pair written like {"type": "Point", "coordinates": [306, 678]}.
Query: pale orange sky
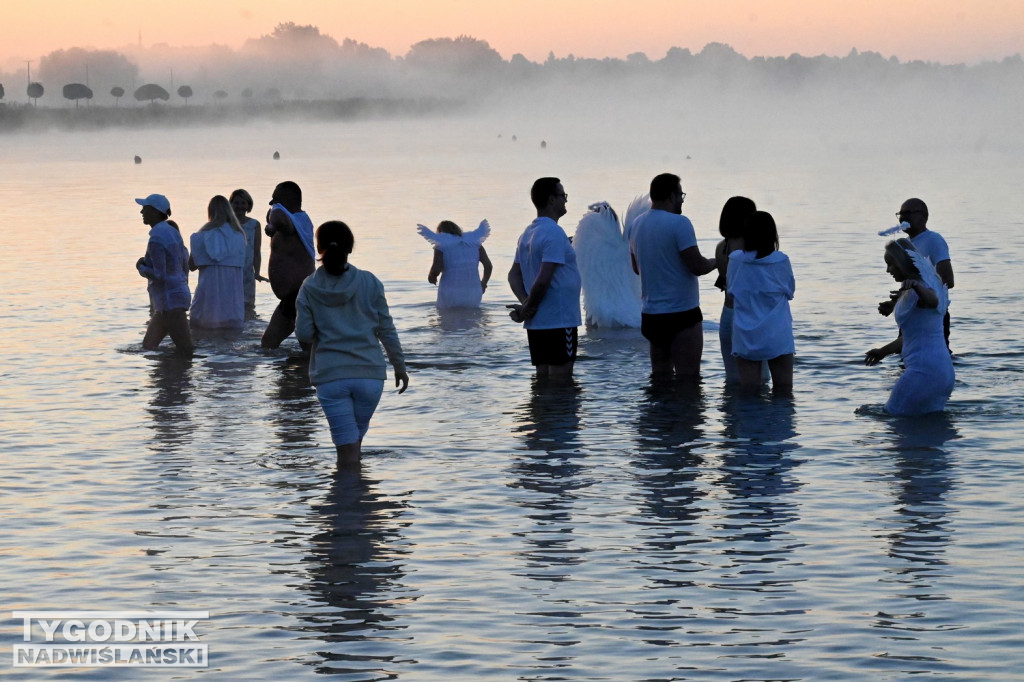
{"type": "Point", "coordinates": [947, 31]}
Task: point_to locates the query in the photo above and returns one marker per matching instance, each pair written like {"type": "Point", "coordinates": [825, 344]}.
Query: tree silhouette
{"type": "Point", "coordinates": [151, 92]}
{"type": "Point", "coordinates": [117, 92]}
{"type": "Point", "coordinates": [185, 92]}
{"type": "Point", "coordinates": [77, 91]}
{"type": "Point", "coordinates": [247, 93]}
{"type": "Point", "coordinates": [1, 90]}
{"type": "Point", "coordinates": [35, 91]}
{"type": "Point", "coordinates": [220, 94]}
{"type": "Point", "coordinates": [100, 69]}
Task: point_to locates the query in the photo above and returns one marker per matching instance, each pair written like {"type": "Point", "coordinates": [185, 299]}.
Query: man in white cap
{"type": "Point", "coordinates": [165, 265]}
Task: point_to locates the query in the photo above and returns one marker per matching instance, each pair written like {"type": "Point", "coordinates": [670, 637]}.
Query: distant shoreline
{"type": "Point", "coordinates": [30, 118]}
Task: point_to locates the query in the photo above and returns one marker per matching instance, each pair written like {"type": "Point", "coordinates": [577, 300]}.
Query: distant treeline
{"type": "Point", "coordinates": [295, 66]}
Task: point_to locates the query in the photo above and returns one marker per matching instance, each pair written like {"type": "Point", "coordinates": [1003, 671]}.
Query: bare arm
{"type": "Point", "coordinates": [945, 270]}
{"type": "Point", "coordinates": [515, 281]}
{"type": "Point", "coordinates": [488, 268]}
{"type": "Point", "coordinates": [875, 355]}
{"type": "Point", "coordinates": [695, 262]}
{"type": "Point", "coordinates": [531, 301]}
{"type": "Point", "coordinates": [257, 256]}
{"type": "Point", "coordinates": [436, 267]}
{"type": "Point", "coordinates": [278, 220]}
{"type": "Point", "coordinates": [926, 296]}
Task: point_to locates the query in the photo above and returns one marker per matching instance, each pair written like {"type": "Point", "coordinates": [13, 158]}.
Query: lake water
{"type": "Point", "coordinates": [610, 529]}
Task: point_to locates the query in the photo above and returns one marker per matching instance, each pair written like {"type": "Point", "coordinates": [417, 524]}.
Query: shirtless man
{"type": "Point", "coordinates": [292, 258]}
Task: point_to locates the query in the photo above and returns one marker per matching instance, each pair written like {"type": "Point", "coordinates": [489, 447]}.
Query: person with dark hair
{"type": "Point", "coordinates": [928, 378]}
{"type": "Point", "coordinates": [218, 252]}
{"type": "Point", "coordinates": [730, 225]}
{"type": "Point", "coordinates": [241, 204]}
{"type": "Point", "coordinates": [165, 266]}
{"type": "Point", "coordinates": [457, 258]}
{"type": "Point", "coordinates": [545, 261]}
{"type": "Point", "coordinates": [664, 252]}
{"type": "Point", "coordinates": [914, 215]}
{"type": "Point", "coordinates": [291, 258]}
{"type": "Point", "coordinates": [761, 283]}
{"type": "Point", "coordinates": [343, 314]}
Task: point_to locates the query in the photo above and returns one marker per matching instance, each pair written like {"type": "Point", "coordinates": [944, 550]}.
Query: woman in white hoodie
{"type": "Point", "coordinates": [761, 283]}
{"type": "Point", "coordinates": [342, 312]}
{"type": "Point", "coordinates": [218, 252]}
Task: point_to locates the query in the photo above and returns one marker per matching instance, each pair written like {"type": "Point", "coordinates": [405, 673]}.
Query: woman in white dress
{"type": "Point", "coordinates": [760, 281]}
{"type": "Point", "coordinates": [457, 257]}
{"type": "Point", "coordinates": [218, 252]}
{"type": "Point", "coordinates": [928, 378]}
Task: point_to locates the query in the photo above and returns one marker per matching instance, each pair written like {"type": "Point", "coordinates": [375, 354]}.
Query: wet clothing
{"type": "Point", "coordinates": [544, 241]}
{"type": "Point", "coordinates": [219, 253]}
{"type": "Point", "coordinates": [666, 284]}
{"type": "Point", "coordinates": [165, 265]}
{"type": "Point", "coordinates": [346, 319]}
{"type": "Point", "coordinates": [928, 377]}
{"type": "Point", "coordinates": [761, 289]}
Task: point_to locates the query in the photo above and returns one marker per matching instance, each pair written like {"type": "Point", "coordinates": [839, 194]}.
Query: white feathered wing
{"type": "Point", "coordinates": [611, 290]}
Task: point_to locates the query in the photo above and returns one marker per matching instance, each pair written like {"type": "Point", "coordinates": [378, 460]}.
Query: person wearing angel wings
{"type": "Point", "coordinates": [913, 217]}
{"type": "Point", "coordinates": [919, 307]}
{"type": "Point", "coordinates": [457, 257]}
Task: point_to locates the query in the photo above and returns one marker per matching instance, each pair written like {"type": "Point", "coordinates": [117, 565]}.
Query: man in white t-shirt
{"type": "Point", "coordinates": [914, 212]}
{"type": "Point", "coordinates": [546, 261]}
{"type": "Point", "coordinates": [663, 247]}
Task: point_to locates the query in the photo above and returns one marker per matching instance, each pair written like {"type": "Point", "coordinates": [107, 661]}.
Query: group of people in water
{"type": "Point", "coordinates": [340, 315]}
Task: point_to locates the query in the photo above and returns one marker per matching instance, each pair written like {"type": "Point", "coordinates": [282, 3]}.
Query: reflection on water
{"type": "Point", "coordinates": [551, 468]}
{"type": "Point", "coordinates": [757, 464]}
{"type": "Point", "coordinates": [919, 531]}
{"type": "Point", "coordinates": [667, 464]}
{"type": "Point", "coordinates": [170, 380]}
{"type": "Point", "coordinates": [292, 404]}
{"type": "Point", "coordinates": [355, 575]}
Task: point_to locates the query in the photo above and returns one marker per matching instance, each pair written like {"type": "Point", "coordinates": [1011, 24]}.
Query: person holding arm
{"type": "Point", "coordinates": [546, 281]}
{"type": "Point", "coordinates": [343, 315]}
{"type": "Point", "coordinates": [913, 214]}
{"type": "Point", "coordinates": [730, 225]}
{"type": "Point", "coordinates": [920, 304]}
{"type": "Point", "coordinates": [761, 283]}
{"type": "Point", "coordinates": [664, 252]}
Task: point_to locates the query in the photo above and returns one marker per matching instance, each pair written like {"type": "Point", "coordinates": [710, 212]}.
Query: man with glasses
{"type": "Point", "coordinates": [550, 309]}
{"type": "Point", "coordinates": [914, 213]}
{"type": "Point", "coordinates": [664, 251]}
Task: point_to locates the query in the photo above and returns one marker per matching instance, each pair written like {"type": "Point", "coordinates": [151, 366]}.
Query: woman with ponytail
{"type": "Point", "coordinates": [342, 312]}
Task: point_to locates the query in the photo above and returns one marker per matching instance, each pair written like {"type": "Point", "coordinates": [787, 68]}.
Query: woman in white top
{"type": "Point", "coordinates": [761, 283]}
{"type": "Point", "coordinates": [218, 252]}
{"type": "Point", "coordinates": [457, 258]}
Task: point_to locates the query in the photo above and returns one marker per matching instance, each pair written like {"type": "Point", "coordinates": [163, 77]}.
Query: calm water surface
{"type": "Point", "coordinates": [612, 529]}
